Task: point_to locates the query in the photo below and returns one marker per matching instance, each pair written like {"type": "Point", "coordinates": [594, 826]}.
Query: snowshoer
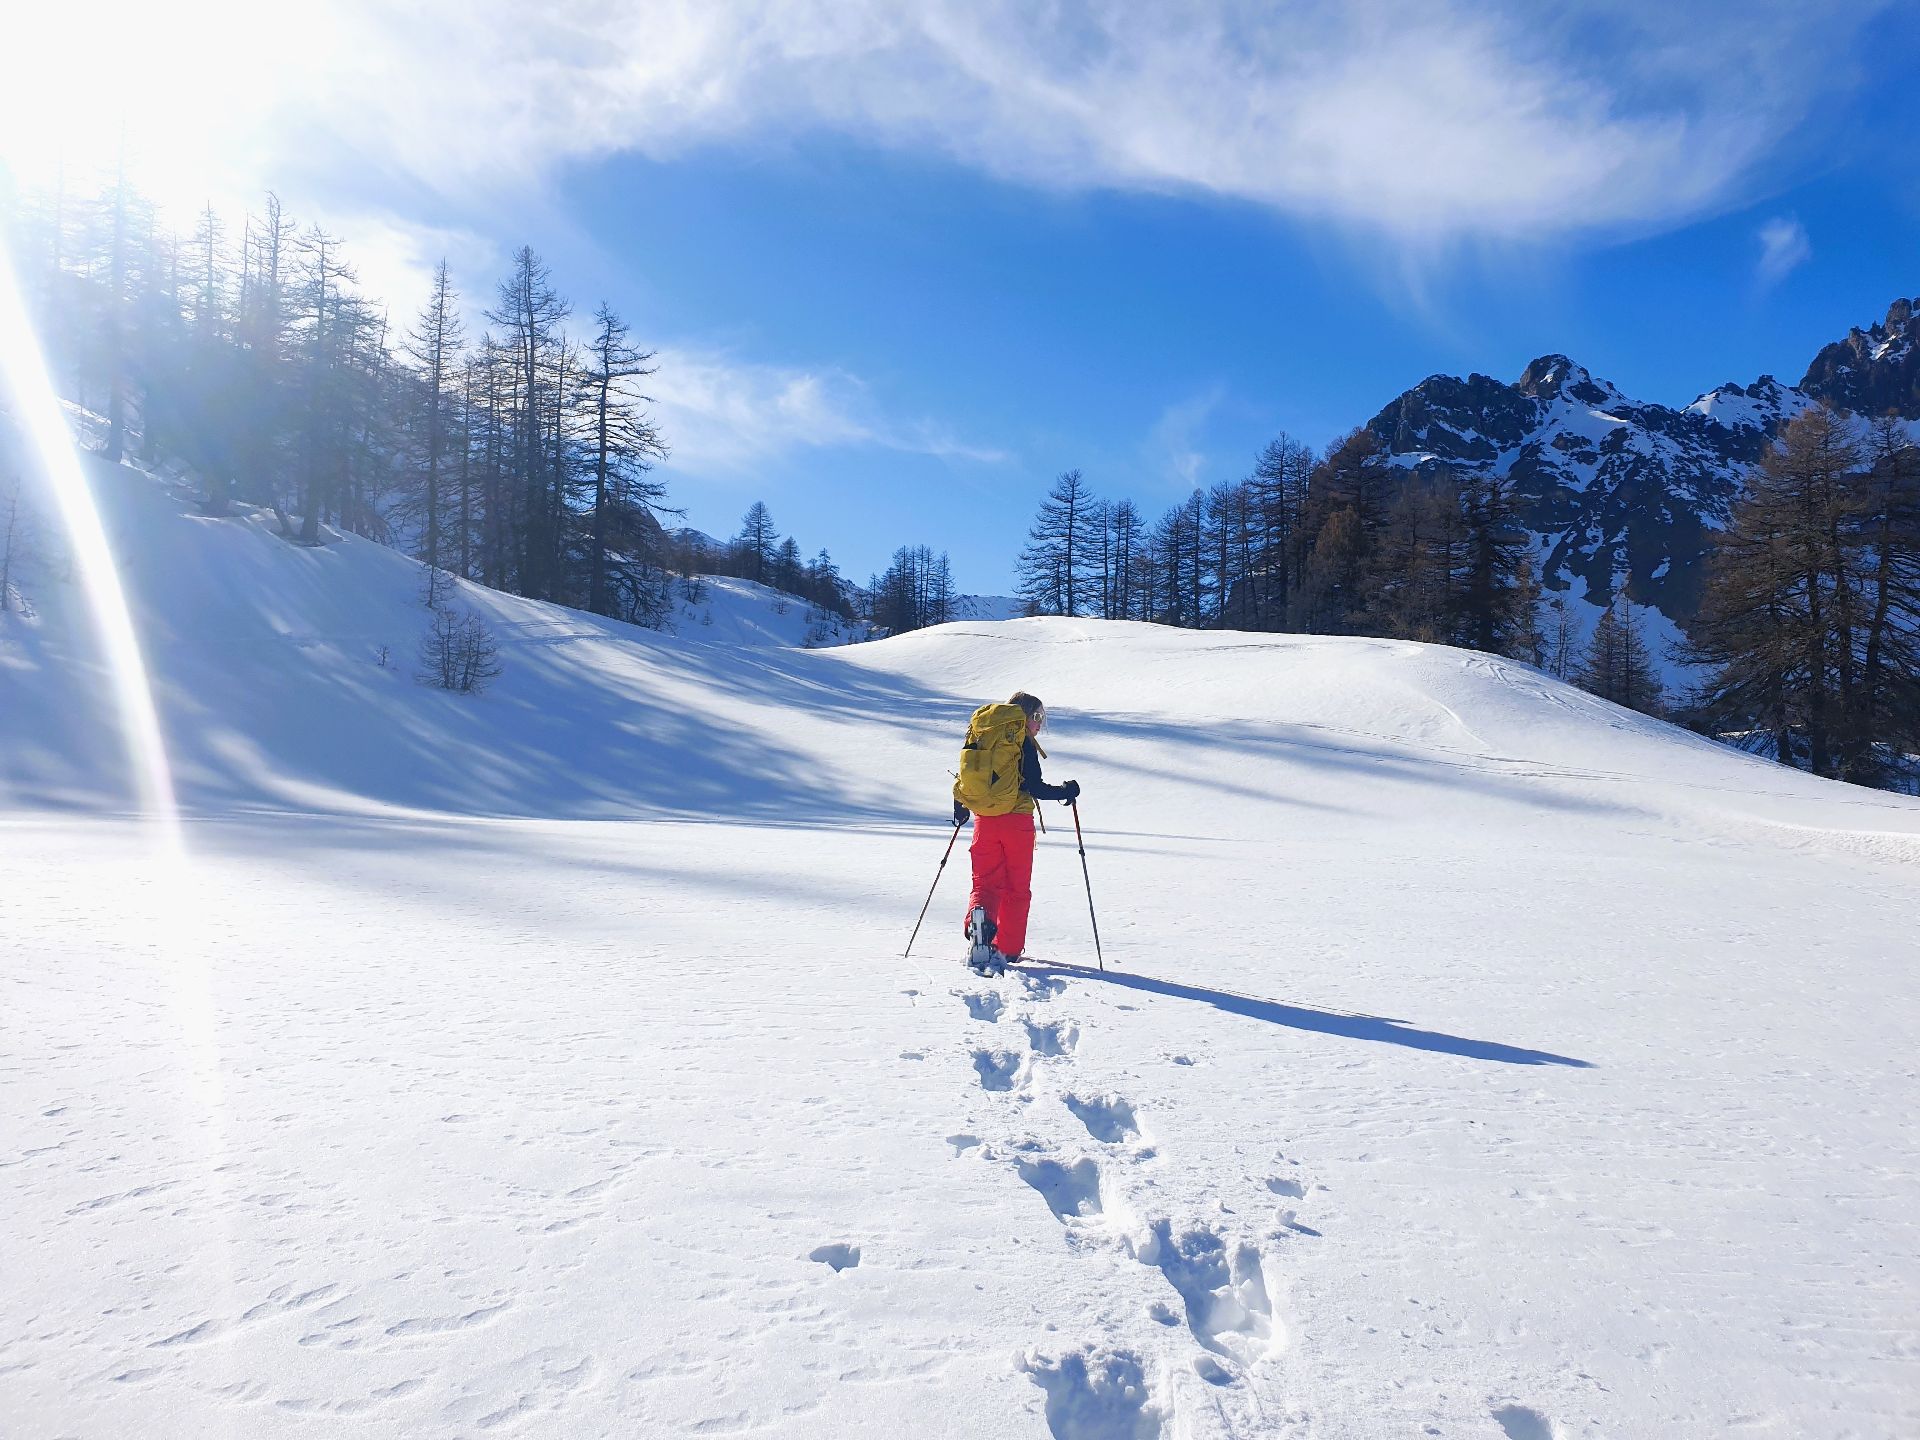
{"type": "Point", "coordinates": [998, 783]}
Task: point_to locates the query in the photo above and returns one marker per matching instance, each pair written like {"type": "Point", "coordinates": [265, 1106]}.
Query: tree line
{"type": "Point", "coordinates": [914, 591]}
{"type": "Point", "coordinates": [1808, 632]}
{"type": "Point", "coordinates": [520, 459]}
{"type": "Point", "coordinates": [1340, 543]}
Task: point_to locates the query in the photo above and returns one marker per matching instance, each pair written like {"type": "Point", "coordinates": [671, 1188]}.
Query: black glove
{"type": "Point", "coordinates": [960, 814]}
{"type": "Point", "coordinates": [1072, 787]}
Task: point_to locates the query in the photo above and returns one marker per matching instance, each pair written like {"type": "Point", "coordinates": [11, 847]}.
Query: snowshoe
{"type": "Point", "coordinates": [982, 958]}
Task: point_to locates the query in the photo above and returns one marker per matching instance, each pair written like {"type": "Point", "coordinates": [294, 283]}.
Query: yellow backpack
{"type": "Point", "coordinates": [989, 781]}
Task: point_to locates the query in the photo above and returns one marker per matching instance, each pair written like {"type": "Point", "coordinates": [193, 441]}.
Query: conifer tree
{"type": "Point", "coordinates": [1125, 562]}
{"type": "Point", "coordinates": [757, 543]}
{"type": "Point", "coordinates": [1779, 612]}
{"type": "Point", "coordinates": [1054, 568]}
{"type": "Point", "coordinates": [434, 346]}
{"type": "Point", "coordinates": [1617, 666]}
{"type": "Point", "coordinates": [1498, 595]}
{"type": "Point", "coordinates": [530, 313]}
{"type": "Point", "coordinates": [623, 444]}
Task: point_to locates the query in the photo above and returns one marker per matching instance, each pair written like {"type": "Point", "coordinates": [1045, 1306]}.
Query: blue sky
{"type": "Point", "coordinates": [906, 262]}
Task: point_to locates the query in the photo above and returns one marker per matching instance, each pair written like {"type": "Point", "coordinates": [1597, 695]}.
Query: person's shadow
{"type": "Point", "coordinates": [1324, 1022]}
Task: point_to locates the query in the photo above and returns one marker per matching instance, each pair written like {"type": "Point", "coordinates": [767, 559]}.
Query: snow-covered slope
{"type": "Point", "coordinates": [988, 607]}
{"type": "Point", "coordinates": [1471, 1057]}
{"type": "Point", "coordinates": [727, 610]}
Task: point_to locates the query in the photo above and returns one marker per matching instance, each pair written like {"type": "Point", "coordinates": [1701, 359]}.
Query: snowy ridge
{"type": "Point", "coordinates": [1620, 491]}
{"type": "Point", "coordinates": [1614, 488]}
{"type": "Point", "coordinates": [1464, 1049]}
{"type": "Point", "coordinates": [1872, 371]}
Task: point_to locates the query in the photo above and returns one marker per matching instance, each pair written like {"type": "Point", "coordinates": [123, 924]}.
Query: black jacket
{"type": "Point", "coordinates": [1030, 781]}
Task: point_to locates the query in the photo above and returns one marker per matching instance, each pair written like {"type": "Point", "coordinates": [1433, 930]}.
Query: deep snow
{"type": "Point", "coordinates": [1473, 1058]}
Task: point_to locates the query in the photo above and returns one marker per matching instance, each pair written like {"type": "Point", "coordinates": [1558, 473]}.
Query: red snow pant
{"type": "Point", "coordinates": [1003, 876]}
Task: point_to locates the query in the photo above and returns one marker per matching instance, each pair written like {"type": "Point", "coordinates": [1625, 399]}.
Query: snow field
{"type": "Point", "coordinates": [1473, 1058]}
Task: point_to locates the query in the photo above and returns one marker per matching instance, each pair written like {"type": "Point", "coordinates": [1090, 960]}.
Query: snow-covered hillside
{"type": "Point", "coordinates": [988, 607]}
{"type": "Point", "coordinates": [727, 610]}
{"type": "Point", "coordinates": [1472, 1058]}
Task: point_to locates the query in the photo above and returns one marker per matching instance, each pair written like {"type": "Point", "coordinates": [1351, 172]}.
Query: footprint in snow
{"type": "Point", "coordinates": [1096, 1394]}
{"type": "Point", "coordinates": [1108, 1118]}
{"type": "Point", "coordinates": [839, 1255]}
{"type": "Point", "coordinates": [984, 1006]}
{"type": "Point", "coordinates": [1523, 1422]}
{"type": "Point", "coordinates": [1057, 1037]}
{"type": "Point", "coordinates": [1224, 1289]}
{"type": "Point", "coordinates": [998, 1069]}
{"type": "Point", "coordinates": [1041, 987]}
{"type": "Point", "coordinates": [1072, 1192]}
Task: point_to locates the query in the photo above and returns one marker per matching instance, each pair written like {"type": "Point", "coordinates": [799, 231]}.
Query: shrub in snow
{"type": "Point", "coordinates": [458, 652]}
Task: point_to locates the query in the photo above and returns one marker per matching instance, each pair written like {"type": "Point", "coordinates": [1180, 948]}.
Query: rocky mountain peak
{"type": "Point", "coordinates": [1549, 376]}
{"type": "Point", "coordinates": [1872, 371]}
{"type": "Point", "coordinates": [1555, 377]}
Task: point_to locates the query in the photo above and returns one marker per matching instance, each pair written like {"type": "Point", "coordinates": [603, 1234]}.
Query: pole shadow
{"type": "Point", "coordinates": [1323, 1022]}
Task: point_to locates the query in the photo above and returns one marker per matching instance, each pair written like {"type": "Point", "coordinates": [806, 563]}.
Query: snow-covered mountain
{"type": "Point", "coordinates": [1872, 371]}
{"type": "Point", "coordinates": [1615, 489]}
{"type": "Point", "coordinates": [1618, 489]}
{"type": "Point", "coordinates": [1461, 1054]}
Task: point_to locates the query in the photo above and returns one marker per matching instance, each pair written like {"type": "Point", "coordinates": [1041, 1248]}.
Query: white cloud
{"type": "Point", "coordinates": [394, 260]}
{"type": "Point", "coordinates": [1420, 119]}
{"type": "Point", "coordinates": [723, 416]}
{"type": "Point", "coordinates": [1174, 443]}
{"type": "Point", "coordinates": [1784, 247]}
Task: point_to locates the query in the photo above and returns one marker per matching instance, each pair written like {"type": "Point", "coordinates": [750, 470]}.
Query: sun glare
{"type": "Point", "coordinates": [178, 94]}
{"type": "Point", "coordinates": [33, 402]}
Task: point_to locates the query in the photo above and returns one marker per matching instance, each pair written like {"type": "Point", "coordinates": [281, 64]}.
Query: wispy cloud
{"type": "Point", "coordinates": [1419, 119]}
{"type": "Point", "coordinates": [1784, 248]}
{"type": "Point", "coordinates": [1175, 443]}
{"type": "Point", "coordinates": [728, 417]}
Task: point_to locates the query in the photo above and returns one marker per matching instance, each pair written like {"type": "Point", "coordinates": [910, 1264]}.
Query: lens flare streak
{"type": "Point", "coordinates": [37, 408]}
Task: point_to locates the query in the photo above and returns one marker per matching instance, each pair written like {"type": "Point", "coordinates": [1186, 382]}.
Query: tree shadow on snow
{"type": "Point", "coordinates": [1344, 1023]}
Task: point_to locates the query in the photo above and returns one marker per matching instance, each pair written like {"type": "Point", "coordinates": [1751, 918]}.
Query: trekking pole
{"type": "Point", "coordinates": [935, 886]}
{"type": "Point", "coordinates": [1081, 841]}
